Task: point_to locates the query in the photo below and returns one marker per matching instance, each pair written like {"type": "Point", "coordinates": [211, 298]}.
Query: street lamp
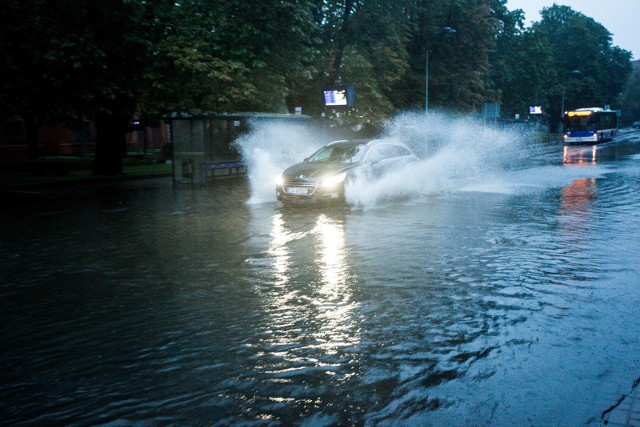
{"type": "Point", "coordinates": [442, 30]}
{"type": "Point", "coordinates": [569, 73]}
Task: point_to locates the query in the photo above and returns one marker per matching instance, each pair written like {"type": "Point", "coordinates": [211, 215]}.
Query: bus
{"type": "Point", "coordinates": [590, 125]}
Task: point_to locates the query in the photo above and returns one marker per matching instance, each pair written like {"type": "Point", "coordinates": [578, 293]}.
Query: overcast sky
{"type": "Point", "coordinates": [620, 17]}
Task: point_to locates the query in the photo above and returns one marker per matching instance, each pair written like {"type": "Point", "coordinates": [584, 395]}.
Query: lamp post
{"type": "Point", "coordinates": [442, 30]}
{"type": "Point", "coordinates": [569, 73]}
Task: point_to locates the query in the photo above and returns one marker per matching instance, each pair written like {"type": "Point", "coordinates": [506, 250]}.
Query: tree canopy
{"type": "Point", "coordinates": [74, 59]}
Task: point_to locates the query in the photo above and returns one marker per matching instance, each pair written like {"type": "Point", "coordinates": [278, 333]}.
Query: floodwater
{"type": "Point", "coordinates": [486, 296]}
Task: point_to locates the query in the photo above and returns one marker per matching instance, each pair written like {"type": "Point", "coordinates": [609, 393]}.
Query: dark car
{"type": "Point", "coordinates": [322, 176]}
{"type": "Point", "coordinates": [636, 125]}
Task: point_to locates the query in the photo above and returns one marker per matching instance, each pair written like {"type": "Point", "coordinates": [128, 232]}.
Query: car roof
{"type": "Point", "coordinates": [366, 141]}
{"type": "Point", "coordinates": [349, 142]}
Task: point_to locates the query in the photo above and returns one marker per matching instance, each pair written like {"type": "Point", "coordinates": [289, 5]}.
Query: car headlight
{"type": "Point", "coordinates": [333, 180]}
{"type": "Point", "coordinates": [279, 180]}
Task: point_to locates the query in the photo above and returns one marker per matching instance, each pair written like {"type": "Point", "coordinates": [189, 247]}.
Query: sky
{"type": "Point", "coordinates": [620, 17]}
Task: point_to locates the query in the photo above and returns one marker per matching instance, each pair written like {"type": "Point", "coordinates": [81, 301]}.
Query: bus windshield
{"type": "Point", "coordinates": [573, 123]}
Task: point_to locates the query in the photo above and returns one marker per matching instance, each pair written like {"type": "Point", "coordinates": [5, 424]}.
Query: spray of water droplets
{"type": "Point", "coordinates": [456, 154]}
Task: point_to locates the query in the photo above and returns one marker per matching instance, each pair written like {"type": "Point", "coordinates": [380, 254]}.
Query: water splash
{"type": "Point", "coordinates": [457, 154]}
{"type": "Point", "coordinates": [268, 149]}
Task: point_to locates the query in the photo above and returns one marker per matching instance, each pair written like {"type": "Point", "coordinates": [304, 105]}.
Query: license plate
{"type": "Point", "coordinates": [296, 190]}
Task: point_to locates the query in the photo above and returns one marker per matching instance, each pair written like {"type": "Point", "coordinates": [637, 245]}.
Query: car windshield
{"type": "Point", "coordinates": [338, 153]}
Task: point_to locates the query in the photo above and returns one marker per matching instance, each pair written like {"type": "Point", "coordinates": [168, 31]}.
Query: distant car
{"type": "Point", "coordinates": [636, 125]}
{"type": "Point", "coordinates": [322, 176]}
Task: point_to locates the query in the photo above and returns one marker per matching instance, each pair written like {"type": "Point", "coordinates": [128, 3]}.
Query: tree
{"type": "Point", "coordinates": [189, 68]}
{"type": "Point", "coordinates": [458, 63]}
{"type": "Point", "coordinates": [518, 64]}
{"type": "Point", "coordinates": [357, 42]}
{"type": "Point", "coordinates": [109, 60]}
{"type": "Point", "coordinates": [41, 53]}
{"type": "Point", "coordinates": [466, 64]}
{"type": "Point", "coordinates": [375, 57]}
{"type": "Point", "coordinates": [274, 40]}
{"type": "Point", "coordinates": [577, 42]}
{"type": "Point", "coordinates": [69, 59]}
{"type": "Point", "coordinates": [630, 98]}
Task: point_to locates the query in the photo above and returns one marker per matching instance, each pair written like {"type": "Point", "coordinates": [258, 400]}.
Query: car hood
{"type": "Point", "coordinates": [305, 171]}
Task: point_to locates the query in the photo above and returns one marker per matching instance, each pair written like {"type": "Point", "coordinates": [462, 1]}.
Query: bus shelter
{"type": "Point", "coordinates": [203, 145]}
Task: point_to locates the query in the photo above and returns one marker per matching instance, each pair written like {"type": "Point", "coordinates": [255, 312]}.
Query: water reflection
{"type": "Point", "coordinates": [196, 308]}
{"type": "Point", "coordinates": [592, 154]}
{"type": "Point", "coordinates": [575, 217]}
{"type": "Point", "coordinates": [311, 312]}
{"type": "Point", "coordinates": [335, 308]}
{"type": "Point", "coordinates": [325, 300]}
{"type": "Point", "coordinates": [332, 254]}
{"type": "Point", "coordinates": [580, 155]}
{"type": "Point", "coordinates": [279, 250]}
{"type": "Point", "coordinates": [577, 198]}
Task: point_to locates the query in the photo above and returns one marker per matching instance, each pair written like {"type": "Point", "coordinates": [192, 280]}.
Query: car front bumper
{"type": "Point", "coordinates": [308, 193]}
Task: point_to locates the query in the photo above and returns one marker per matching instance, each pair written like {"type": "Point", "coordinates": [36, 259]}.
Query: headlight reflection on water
{"type": "Point", "coordinates": [279, 250]}
{"type": "Point", "coordinates": [311, 302]}
{"type": "Point", "coordinates": [332, 253]}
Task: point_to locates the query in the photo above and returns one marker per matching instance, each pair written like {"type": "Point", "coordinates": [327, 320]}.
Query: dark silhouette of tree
{"type": "Point", "coordinates": [106, 61]}
{"type": "Point", "coordinates": [579, 43]}
{"type": "Point", "coordinates": [630, 98]}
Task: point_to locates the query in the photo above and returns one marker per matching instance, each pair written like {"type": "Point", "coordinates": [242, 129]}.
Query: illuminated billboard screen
{"type": "Point", "coordinates": [338, 96]}
{"type": "Point", "coordinates": [535, 109]}
{"type": "Point", "coordinates": [335, 97]}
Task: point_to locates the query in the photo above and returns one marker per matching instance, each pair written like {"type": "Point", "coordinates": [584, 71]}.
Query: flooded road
{"type": "Point", "coordinates": [506, 301]}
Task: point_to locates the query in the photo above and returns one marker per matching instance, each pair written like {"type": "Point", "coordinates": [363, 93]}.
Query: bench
{"type": "Point", "coordinates": [228, 165]}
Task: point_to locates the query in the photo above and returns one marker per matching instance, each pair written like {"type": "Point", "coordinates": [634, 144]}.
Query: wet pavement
{"type": "Point", "coordinates": [502, 297]}
{"type": "Point", "coordinates": [626, 412]}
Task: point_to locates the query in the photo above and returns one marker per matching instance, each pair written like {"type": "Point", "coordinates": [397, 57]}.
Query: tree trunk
{"type": "Point", "coordinates": [342, 37]}
{"type": "Point", "coordinates": [555, 116]}
{"type": "Point", "coordinates": [31, 128]}
{"type": "Point", "coordinates": [110, 143]}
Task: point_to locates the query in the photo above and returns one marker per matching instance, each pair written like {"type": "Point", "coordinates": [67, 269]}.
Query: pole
{"type": "Point", "coordinates": [426, 81]}
{"type": "Point", "coordinates": [562, 112]}
{"type": "Point", "coordinates": [443, 30]}
{"type": "Point", "coordinates": [564, 86]}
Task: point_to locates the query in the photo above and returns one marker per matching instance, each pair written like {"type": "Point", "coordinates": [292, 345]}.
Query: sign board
{"type": "Point", "coordinates": [535, 109]}
{"type": "Point", "coordinates": [338, 96]}
{"type": "Point", "coordinates": [335, 98]}
{"type": "Point", "coordinates": [491, 110]}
